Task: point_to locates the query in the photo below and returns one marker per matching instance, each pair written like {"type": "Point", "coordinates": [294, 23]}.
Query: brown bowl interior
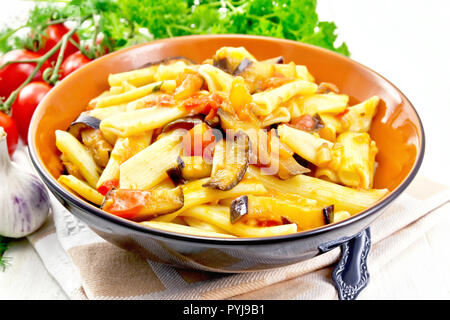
{"type": "Point", "coordinates": [396, 128]}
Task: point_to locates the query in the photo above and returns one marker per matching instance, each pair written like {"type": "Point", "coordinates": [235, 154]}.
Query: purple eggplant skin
{"type": "Point", "coordinates": [328, 214]}
{"type": "Point", "coordinates": [244, 65]}
{"type": "Point", "coordinates": [227, 177]}
{"type": "Point", "coordinates": [276, 60]}
{"type": "Point", "coordinates": [83, 121]}
{"type": "Point", "coordinates": [175, 173]}
{"type": "Point", "coordinates": [238, 208]}
{"type": "Point", "coordinates": [186, 123]}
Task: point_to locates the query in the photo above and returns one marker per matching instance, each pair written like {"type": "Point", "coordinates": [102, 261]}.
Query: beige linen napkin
{"type": "Point", "coordinates": [88, 267]}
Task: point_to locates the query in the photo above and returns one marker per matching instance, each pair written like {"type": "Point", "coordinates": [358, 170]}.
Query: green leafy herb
{"type": "Point", "coordinates": [120, 23]}
{"type": "Point", "coordinates": [4, 245]}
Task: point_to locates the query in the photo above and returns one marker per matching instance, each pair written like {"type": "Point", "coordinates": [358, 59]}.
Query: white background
{"type": "Point", "coordinates": [406, 41]}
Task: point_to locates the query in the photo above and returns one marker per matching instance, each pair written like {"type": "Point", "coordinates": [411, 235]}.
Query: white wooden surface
{"type": "Point", "coordinates": [407, 42]}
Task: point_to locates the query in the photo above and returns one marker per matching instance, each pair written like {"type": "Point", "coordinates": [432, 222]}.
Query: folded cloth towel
{"type": "Point", "coordinates": [88, 267]}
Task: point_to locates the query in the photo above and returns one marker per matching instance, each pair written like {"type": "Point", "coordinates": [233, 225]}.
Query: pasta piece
{"type": "Point", "coordinates": [220, 217]}
{"type": "Point", "coordinates": [269, 100]}
{"type": "Point", "coordinates": [124, 149]}
{"type": "Point", "coordinates": [303, 73]}
{"type": "Point", "coordinates": [170, 71]}
{"type": "Point", "coordinates": [279, 115]}
{"type": "Point", "coordinates": [195, 194]}
{"type": "Point", "coordinates": [148, 167]}
{"type": "Point", "coordinates": [78, 155]}
{"type": "Point", "coordinates": [172, 227]}
{"type": "Point", "coordinates": [139, 121]}
{"type": "Point", "coordinates": [303, 143]}
{"type": "Point", "coordinates": [325, 192]}
{"type": "Point", "coordinates": [137, 77]}
{"type": "Point", "coordinates": [359, 117]}
{"type": "Point", "coordinates": [327, 174]}
{"type": "Point", "coordinates": [216, 79]}
{"type": "Point", "coordinates": [200, 224]}
{"type": "Point", "coordinates": [114, 100]}
{"type": "Point", "coordinates": [358, 159]}
{"type": "Point", "coordinates": [323, 103]}
{"type": "Point", "coordinates": [81, 188]}
{"type": "Point", "coordinates": [103, 113]}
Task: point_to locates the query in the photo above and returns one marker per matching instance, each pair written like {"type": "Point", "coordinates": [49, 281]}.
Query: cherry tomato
{"type": "Point", "coordinates": [52, 35]}
{"type": "Point", "coordinates": [26, 102]}
{"type": "Point", "coordinates": [108, 186]}
{"type": "Point", "coordinates": [206, 104]}
{"type": "Point", "coordinates": [13, 75]}
{"type": "Point", "coordinates": [12, 135]}
{"type": "Point", "coordinates": [73, 62]}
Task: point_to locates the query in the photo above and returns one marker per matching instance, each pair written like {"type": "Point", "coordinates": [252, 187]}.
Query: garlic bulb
{"type": "Point", "coordinates": [24, 200]}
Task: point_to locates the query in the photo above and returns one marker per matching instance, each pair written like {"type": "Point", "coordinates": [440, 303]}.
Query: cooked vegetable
{"type": "Point", "coordinates": [186, 123]}
{"type": "Point", "coordinates": [83, 121]}
{"type": "Point", "coordinates": [175, 172]}
{"type": "Point", "coordinates": [238, 208]}
{"type": "Point", "coordinates": [100, 149]}
{"type": "Point", "coordinates": [230, 166]}
{"type": "Point", "coordinates": [24, 200]}
{"type": "Point", "coordinates": [276, 209]}
{"type": "Point", "coordinates": [139, 205]}
{"type": "Point", "coordinates": [328, 213]}
{"type": "Point", "coordinates": [195, 167]}
{"type": "Point", "coordinates": [78, 155]}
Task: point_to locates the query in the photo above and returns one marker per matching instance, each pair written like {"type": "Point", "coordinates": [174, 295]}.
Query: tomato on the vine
{"type": "Point", "coordinates": [12, 135]}
{"type": "Point", "coordinates": [73, 62]}
{"type": "Point", "coordinates": [52, 35]}
{"type": "Point", "coordinates": [13, 75]}
{"type": "Point", "coordinates": [26, 102]}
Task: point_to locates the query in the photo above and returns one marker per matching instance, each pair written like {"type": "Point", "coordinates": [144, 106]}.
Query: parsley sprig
{"type": "Point", "coordinates": [121, 23]}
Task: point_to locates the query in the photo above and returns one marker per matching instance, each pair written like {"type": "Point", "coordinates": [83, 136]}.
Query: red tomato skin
{"type": "Point", "coordinates": [26, 102]}
{"type": "Point", "coordinates": [12, 134]}
{"type": "Point", "coordinates": [52, 35]}
{"type": "Point", "coordinates": [13, 75]}
{"type": "Point", "coordinates": [73, 62]}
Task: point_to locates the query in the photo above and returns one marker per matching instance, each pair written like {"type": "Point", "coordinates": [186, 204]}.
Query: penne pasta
{"type": "Point", "coordinates": [323, 103]}
{"type": "Point", "coordinates": [303, 143]}
{"type": "Point", "coordinates": [81, 188]}
{"type": "Point", "coordinates": [268, 101]}
{"type": "Point", "coordinates": [118, 99]}
{"type": "Point", "coordinates": [359, 117]}
{"type": "Point", "coordinates": [139, 121]}
{"type": "Point", "coordinates": [137, 77]}
{"type": "Point", "coordinates": [148, 167]}
{"type": "Point", "coordinates": [172, 227]}
{"type": "Point", "coordinates": [358, 159]}
{"type": "Point", "coordinates": [325, 192]}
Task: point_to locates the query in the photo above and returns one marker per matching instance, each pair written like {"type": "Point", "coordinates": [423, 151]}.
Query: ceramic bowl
{"type": "Point", "coordinates": [397, 130]}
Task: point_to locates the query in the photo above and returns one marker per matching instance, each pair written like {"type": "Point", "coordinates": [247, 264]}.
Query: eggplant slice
{"type": "Point", "coordinates": [175, 173]}
{"type": "Point", "coordinates": [238, 208]}
{"type": "Point", "coordinates": [230, 166]}
{"type": "Point", "coordinates": [138, 205]}
{"type": "Point", "coordinates": [83, 121]}
{"type": "Point", "coordinates": [186, 123]}
{"type": "Point", "coordinates": [328, 214]}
